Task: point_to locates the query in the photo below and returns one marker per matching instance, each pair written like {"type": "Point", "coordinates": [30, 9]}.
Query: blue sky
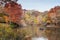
{"type": "Point", "coordinates": [40, 5]}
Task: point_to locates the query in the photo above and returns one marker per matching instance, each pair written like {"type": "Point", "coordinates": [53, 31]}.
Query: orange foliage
{"type": "Point", "coordinates": [14, 11]}
{"type": "Point", "coordinates": [53, 11]}
{"type": "Point", "coordinates": [6, 19]}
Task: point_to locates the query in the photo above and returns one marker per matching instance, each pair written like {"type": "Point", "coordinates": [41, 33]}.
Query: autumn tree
{"type": "Point", "coordinates": [14, 11]}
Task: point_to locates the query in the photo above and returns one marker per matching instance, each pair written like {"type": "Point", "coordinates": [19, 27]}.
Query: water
{"type": "Point", "coordinates": [39, 38]}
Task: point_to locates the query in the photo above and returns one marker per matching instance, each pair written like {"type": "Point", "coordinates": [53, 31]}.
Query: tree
{"type": "Point", "coordinates": [14, 11]}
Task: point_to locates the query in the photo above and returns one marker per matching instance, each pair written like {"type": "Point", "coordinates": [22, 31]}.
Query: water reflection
{"type": "Point", "coordinates": [39, 38]}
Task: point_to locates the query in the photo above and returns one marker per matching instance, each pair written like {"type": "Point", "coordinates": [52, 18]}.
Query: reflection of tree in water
{"type": "Point", "coordinates": [53, 33]}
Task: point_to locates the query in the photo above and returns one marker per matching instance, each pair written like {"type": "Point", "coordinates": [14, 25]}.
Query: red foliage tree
{"type": "Point", "coordinates": [53, 11]}
{"type": "Point", "coordinates": [14, 11]}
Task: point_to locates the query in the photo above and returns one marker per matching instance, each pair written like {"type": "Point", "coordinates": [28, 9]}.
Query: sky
{"type": "Point", "coordinates": [40, 5]}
